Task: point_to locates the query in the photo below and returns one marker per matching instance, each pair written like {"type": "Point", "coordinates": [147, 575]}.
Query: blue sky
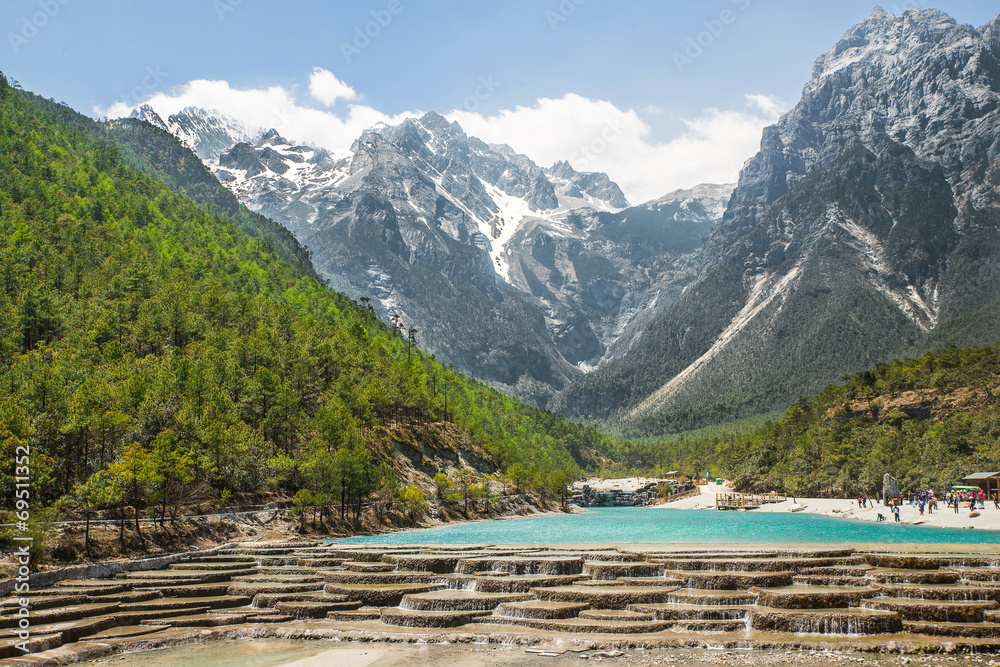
{"type": "Point", "coordinates": [631, 60]}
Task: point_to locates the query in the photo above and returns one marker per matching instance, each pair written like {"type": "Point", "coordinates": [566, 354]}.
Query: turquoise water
{"type": "Point", "coordinates": [629, 525]}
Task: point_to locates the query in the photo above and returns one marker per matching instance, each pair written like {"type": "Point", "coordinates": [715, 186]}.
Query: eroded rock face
{"type": "Point", "coordinates": [521, 275]}
{"type": "Point", "coordinates": [876, 195]}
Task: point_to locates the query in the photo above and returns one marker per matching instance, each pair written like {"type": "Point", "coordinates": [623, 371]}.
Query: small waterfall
{"type": "Point", "coordinates": [410, 604]}
{"type": "Point", "coordinates": [816, 622]}
{"type": "Point", "coordinates": [511, 611]}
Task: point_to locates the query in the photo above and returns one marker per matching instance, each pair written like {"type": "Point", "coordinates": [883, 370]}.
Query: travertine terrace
{"type": "Point", "coordinates": [597, 596]}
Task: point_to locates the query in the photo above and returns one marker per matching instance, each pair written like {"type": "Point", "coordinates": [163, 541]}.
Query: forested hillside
{"type": "Point", "coordinates": [927, 421]}
{"type": "Point", "coordinates": [154, 348]}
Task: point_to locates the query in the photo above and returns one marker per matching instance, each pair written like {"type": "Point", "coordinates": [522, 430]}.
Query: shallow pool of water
{"type": "Point", "coordinates": [246, 653]}
{"type": "Point", "coordinates": [631, 525]}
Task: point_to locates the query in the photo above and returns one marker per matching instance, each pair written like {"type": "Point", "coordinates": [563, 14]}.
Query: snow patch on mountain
{"type": "Point", "coordinates": [909, 301]}
{"type": "Point", "coordinates": [705, 199]}
{"type": "Point", "coordinates": [512, 213]}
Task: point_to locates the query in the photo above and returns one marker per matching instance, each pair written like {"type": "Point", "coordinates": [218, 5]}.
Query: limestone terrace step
{"type": "Point", "coordinates": [544, 609]}
{"type": "Point", "coordinates": [512, 583]}
{"type": "Point", "coordinates": [73, 612]}
{"type": "Point", "coordinates": [278, 579]}
{"type": "Point", "coordinates": [345, 577]}
{"type": "Point", "coordinates": [580, 625]}
{"type": "Point", "coordinates": [39, 602]}
{"type": "Point", "coordinates": [126, 631]}
{"type": "Point", "coordinates": [362, 614]}
{"type": "Point", "coordinates": [213, 601]}
{"type": "Point", "coordinates": [615, 597]}
{"type": "Point", "coordinates": [976, 630]}
{"type": "Point", "coordinates": [268, 600]}
{"type": "Point", "coordinates": [730, 580]}
{"type": "Point", "coordinates": [935, 611]}
{"type": "Point", "coordinates": [699, 626]}
{"type": "Point", "coordinates": [380, 596]}
{"type": "Point", "coordinates": [200, 621]}
{"type": "Point", "coordinates": [691, 612]}
{"type": "Point", "coordinates": [452, 600]}
{"type": "Point", "coordinates": [197, 590]}
{"type": "Point", "coordinates": [218, 566]}
{"type": "Point", "coordinates": [942, 592]}
{"type": "Point", "coordinates": [409, 618]}
{"type": "Point", "coordinates": [725, 598]}
{"type": "Point", "coordinates": [615, 615]}
{"type": "Point", "coordinates": [825, 621]}
{"type": "Point", "coordinates": [38, 642]}
{"type": "Point", "coordinates": [131, 596]}
{"type": "Point", "coordinates": [253, 588]}
{"type": "Point", "coordinates": [270, 618]}
{"type": "Point", "coordinates": [308, 609]}
{"type": "Point", "coordinates": [94, 586]}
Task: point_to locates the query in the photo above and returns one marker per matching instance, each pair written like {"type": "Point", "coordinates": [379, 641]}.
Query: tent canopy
{"type": "Point", "coordinates": [959, 487]}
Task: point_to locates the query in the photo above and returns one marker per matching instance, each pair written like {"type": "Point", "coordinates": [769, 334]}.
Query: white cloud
{"type": "Point", "coordinates": [595, 135]}
{"type": "Point", "coordinates": [327, 88]}
{"type": "Point", "coordinates": [273, 107]}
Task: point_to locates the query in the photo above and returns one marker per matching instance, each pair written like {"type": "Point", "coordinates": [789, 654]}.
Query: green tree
{"type": "Point", "coordinates": [133, 473]}
{"type": "Point", "coordinates": [442, 486]}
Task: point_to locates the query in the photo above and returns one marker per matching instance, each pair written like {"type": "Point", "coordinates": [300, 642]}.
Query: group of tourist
{"type": "Point", "coordinates": [929, 501]}
{"type": "Point", "coordinates": [924, 499]}
{"type": "Point", "coordinates": [974, 498]}
{"type": "Point", "coordinates": [953, 499]}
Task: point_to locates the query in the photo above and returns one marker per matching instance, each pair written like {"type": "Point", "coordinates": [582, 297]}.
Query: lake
{"type": "Point", "coordinates": [629, 525]}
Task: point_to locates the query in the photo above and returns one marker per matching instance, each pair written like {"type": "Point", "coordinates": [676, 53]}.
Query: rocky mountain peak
{"type": "Point", "coordinates": [991, 34]}
{"type": "Point", "coordinates": [148, 114]}
{"type": "Point", "coordinates": [522, 275]}
{"type": "Point", "coordinates": [272, 137]}
{"type": "Point", "coordinates": [208, 133]}
{"type": "Point", "coordinates": [866, 223]}
{"type": "Point", "coordinates": [586, 189]}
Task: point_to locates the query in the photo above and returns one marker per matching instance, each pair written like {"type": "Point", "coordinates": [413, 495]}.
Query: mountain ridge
{"type": "Point", "coordinates": [856, 214]}
{"type": "Point", "coordinates": [424, 220]}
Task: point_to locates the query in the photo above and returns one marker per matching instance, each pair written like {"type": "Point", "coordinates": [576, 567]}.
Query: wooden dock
{"type": "Point", "coordinates": [746, 501]}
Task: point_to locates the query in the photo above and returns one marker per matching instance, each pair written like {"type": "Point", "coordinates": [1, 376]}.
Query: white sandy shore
{"type": "Point", "coordinates": [944, 517]}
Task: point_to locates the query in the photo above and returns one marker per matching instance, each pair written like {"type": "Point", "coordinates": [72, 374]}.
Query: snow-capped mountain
{"type": "Point", "coordinates": [865, 228]}
{"type": "Point", "coordinates": [521, 275]}
{"type": "Point", "coordinates": [207, 133]}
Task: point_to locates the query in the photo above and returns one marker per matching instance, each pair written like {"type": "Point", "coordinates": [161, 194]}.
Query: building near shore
{"type": "Point", "coordinates": [989, 482]}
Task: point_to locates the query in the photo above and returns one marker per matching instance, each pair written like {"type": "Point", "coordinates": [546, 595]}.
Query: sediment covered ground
{"type": "Point", "coordinates": [987, 518]}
